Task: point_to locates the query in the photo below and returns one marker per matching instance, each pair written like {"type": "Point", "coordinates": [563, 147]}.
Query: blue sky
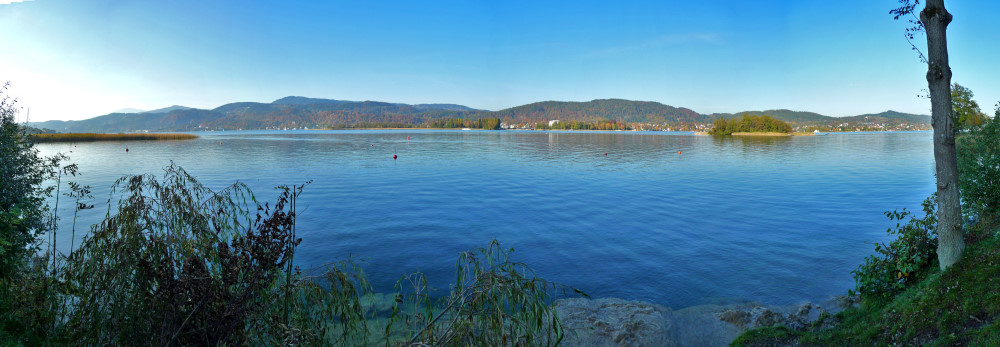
{"type": "Point", "coordinates": [80, 59]}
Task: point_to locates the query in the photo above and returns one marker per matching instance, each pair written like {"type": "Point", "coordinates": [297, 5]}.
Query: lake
{"type": "Point", "coordinates": [670, 218]}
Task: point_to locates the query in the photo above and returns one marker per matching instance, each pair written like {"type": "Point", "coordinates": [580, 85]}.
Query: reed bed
{"type": "Point", "coordinates": [90, 137]}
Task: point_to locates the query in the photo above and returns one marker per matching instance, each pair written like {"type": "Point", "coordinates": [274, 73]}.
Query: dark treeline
{"type": "Point", "coordinates": [606, 124]}
{"type": "Point", "coordinates": [749, 124]}
{"type": "Point", "coordinates": [453, 123]}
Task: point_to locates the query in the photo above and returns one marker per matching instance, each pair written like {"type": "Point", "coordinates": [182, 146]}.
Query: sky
{"type": "Point", "coordinates": [73, 59]}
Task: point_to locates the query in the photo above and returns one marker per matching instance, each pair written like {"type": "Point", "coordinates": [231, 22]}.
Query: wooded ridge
{"type": "Point", "coordinates": [295, 112]}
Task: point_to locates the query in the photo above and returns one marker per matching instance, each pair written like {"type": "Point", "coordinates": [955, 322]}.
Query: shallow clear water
{"type": "Point", "coordinates": [670, 218]}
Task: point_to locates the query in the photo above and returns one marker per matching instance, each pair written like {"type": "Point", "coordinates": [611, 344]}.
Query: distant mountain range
{"type": "Point", "coordinates": [299, 112]}
{"type": "Point", "coordinates": [168, 109]}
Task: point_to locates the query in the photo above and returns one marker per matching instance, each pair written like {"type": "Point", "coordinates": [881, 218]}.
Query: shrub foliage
{"type": "Point", "coordinates": [178, 263]}
{"type": "Point", "coordinates": [493, 302]}
{"type": "Point", "coordinates": [902, 261]}
{"type": "Point", "coordinates": [23, 212]}
{"type": "Point", "coordinates": [979, 168]}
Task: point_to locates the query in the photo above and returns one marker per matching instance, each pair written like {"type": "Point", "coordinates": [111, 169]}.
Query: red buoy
{"type": "Point", "coordinates": [605, 154]}
{"type": "Point", "coordinates": [394, 157]}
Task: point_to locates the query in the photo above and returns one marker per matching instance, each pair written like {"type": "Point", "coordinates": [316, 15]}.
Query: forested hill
{"type": "Point", "coordinates": [889, 116]}
{"type": "Point", "coordinates": [301, 112]}
{"type": "Point", "coordinates": [782, 115]}
{"type": "Point", "coordinates": [591, 111]}
{"type": "Point", "coordinates": [802, 118]}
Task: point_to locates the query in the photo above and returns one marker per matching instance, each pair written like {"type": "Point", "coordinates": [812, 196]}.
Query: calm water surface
{"type": "Point", "coordinates": [670, 218]}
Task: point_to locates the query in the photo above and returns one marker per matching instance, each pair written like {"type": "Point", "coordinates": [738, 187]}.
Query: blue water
{"type": "Point", "coordinates": [671, 218]}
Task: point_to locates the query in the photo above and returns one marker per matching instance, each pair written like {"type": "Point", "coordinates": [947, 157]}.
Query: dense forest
{"type": "Point", "coordinates": [599, 110]}
{"type": "Point", "coordinates": [455, 123]}
{"type": "Point", "coordinates": [603, 124]}
{"type": "Point", "coordinates": [749, 124]}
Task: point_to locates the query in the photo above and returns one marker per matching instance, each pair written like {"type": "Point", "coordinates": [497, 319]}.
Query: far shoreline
{"type": "Point", "coordinates": [94, 137]}
{"type": "Point", "coordinates": [767, 134]}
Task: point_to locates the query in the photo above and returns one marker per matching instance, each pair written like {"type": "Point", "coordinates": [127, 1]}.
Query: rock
{"type": "Point", "coordinates": [613, 322]}
{"type": "Point", "coordinates": [845, 302]}
{"type": "Point", "coordinates": [617, 322]}
{"type": "Point", "coordinates": [751, 316]}
{"type": "Point", "coordinates": [766, 318]}
{"type": "Point", "coordinates": [737, 317]}
{"type": "Point", "coordinates": [701, 326]}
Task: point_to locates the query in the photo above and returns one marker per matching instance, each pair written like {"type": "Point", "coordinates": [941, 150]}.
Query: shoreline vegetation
{"type": "Point", "coordinates": [92, 137]}
{"type": "Point", "coordinates": [901, 295]}
{"type": "Point", "coordinates": [750, 125]}
{"type": "Point", "coordinates": [760, 134]}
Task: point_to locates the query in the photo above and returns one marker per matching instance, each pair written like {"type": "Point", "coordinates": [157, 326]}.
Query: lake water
{"type": "Point", "coordinates": [671, 218]}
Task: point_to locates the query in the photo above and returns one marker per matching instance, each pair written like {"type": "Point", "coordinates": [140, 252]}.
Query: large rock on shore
{"type": "Point", "coordinates": [617, 322]}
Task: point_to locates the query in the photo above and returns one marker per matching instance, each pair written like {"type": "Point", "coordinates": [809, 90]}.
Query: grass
{"type": "Point", "coordinates": [90, 137]}
{"type": "Point", "coordinates": [959, 306]}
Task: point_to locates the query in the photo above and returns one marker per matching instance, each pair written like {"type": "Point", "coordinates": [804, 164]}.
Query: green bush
{"type": "Point", "coordinates": [326, 308]}
{"type": "Point", "coordinates": [23, 212]}
{"type": "Point", "coordinates": [25, 281]}
{"type": "Point", "coordinates": [979, 168]}
{"type": "Point", "coordinates": [900, 263]}
{"type": "Point", "coordinates": [493, 302]}
{"type": "Point", "coordinates": [178, 264]}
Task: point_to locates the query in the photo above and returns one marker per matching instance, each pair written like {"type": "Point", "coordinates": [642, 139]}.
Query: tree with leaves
{"type": "Point", "coordinates": [23, 212]}
{"type": "Point", "coordinates": [933, 21]}
{"type": "Point", "coordinates": [965, 111]}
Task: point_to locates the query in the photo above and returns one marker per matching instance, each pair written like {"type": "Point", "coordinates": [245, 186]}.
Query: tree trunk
{"type": "Point", "coordinates": [949, 213]}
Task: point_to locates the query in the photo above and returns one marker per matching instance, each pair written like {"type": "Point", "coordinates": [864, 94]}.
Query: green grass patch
{"type": "Point", "coordinates": [769, 336]}
{"type": "Point", "coordinates": [959, 306]}
{"type": "Point", "coordinates": [90, 137]}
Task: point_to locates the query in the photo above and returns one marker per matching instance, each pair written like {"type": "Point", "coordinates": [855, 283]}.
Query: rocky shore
{"type": "Point", "coordinates": [617, 322]}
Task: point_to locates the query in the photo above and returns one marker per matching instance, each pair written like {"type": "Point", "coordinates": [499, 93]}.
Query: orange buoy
{"type": "Point", "coordinates": [678, 152]}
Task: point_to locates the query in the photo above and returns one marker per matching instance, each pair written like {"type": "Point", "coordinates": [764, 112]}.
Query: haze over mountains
{"type": "Point", "coordinates": [303, 112]}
